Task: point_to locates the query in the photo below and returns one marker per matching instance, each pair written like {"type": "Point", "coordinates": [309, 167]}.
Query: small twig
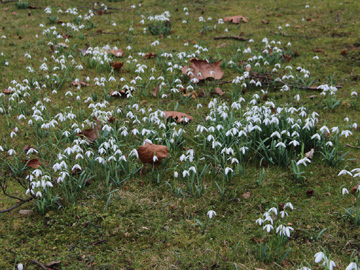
{"type": "Point", "coordinates": [9, 1]}
{"type": "Point", "coordinates": [98, 242]}
{"type": "Point", "coordinates": [39, 264]}
{"type": "Point", "coordinates": [97, 9]}
{"type": "Point", "coordinates": [15, 206]}
{"type": "Point", "coordinates": [231, 37]}
{"type": "Point", "coordinates": [352, 146]}
{"type": "Point", "coordinates": [107, 33]}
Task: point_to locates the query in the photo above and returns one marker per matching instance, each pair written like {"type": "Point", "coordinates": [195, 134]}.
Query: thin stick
{"type": "Point", "coordinates": [352, 146]}
{"type": "Point", "coordinates": [15, 206]}
{"type": "Point", "coordinates": [39, 264]}
{"type": "Point", "coordinates": [231, 37]}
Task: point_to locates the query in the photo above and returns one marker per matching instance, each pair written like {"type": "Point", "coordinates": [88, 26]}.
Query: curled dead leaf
{"type": "Point", "coordinates": [156, 90]}
{"type": "Point", "coordinates": [150, 55]}
{"type": "Point", "coordinates": [265, 21]}
{"type": "Point", "coordinates": [310, 154]}
{"type": "Point", "coordinates": [54, 47]}
{"type": "Point", "coordinates": [201, 70]}
{"type": "Point", "coordinates": [117, 53]}
{"type": "Point", "coordinates": [218, 91]}
{"type": "Point", "coordinates": [354, 189]}
{"type": "Point", "coordinates": [178, 116]}
{"type": "Point", "coordinates": [77, 83]}
{"type": "Point", "coordinates": [117, 65]}
{"type": "Point", "coordinates": [33, 163]}
{"type": "Point", "coordinates": [236, 19]}
{"type": "Point", "coordinates": [149, 151]}
{"type": "Point", "coordinates": [92, 133]}
{"type": "Point", "coordinates": [7, 92]}
{"type": "Point", "coordinates": [246, 195]}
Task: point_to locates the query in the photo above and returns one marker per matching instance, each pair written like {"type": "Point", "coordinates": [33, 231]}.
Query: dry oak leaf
{"type": "Point", "coordinates": [77, 83]}
{"type": "Point", "coordinates": [149, 55]}
{"type": "Point", "coordinates": [354, 189]}
{"type": "Point", "coordinates": [148, 151]}
{"type": "Point", "coordinates": [236, 19]}
{"type": "Point", "coordinates": [92, 133]}
{"type": "Point", "coordinates": [7, 92]}
{"type": "Point", "coordinates": [117, 53]}
{"type": "Point", "coordinates": [219, 91]}
{"type": "Point", "coordinates": [33, 163]}
{"type": "Point", "coordinates": [201, 69]}
{"type": "Point", "coordinates": [178, 116]}
{"type": "Point", "coordinates": [117, 65]}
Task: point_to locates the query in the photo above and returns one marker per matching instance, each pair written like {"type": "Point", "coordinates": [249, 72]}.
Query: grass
{"type": "Point", "coordinates": [122, 219]}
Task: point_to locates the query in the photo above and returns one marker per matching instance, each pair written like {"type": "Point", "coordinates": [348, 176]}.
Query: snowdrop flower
{"type": "Point", "coordinates": [344, 172]}
{"type": "Point", "coordinates": [259, 221]}
{"type": "Point", "coordinates": [211, 213]}
{"type": "Point", "coordinates": [176, 174]}
{"type": "Point", "coordinates": [319, 257]}
{"type": "Point", "coordinates": [345, 133]}
{"type": "Point", "coordinates": [345, 191]}
{"type": "Point", "coordinates": [227, 170]}
{"type": "Point", "coordinates": [352, 266]}
{"type": "Point", "coordinates": [289, 205]}
{"type": "Point", "coordinates": [21, 267]}
{"type": "Point", "coordinates": [268, 227]}
{"type": "Point", "coordinates": [185, 173]}
{"type": "Point", "coordinates": [303, 161]}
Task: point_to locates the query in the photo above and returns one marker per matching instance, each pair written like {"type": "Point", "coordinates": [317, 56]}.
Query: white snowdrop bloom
{"type": "Point", "coordinates": [344, 191]}
{"type": "Point", "coordinates": [176, 174]}
{"type": "Point", "coordinates": [211, 213]}
{"type": "Point", "coordinates": [289, 205]}
{"type": "Point", "coordinates": [259, 221]}
{"type": "Point", "coordinates": [303, 161]}
{"type": "Point", "coordinates": [268, 227]}
{"type": "Point", "coordinates": [352, 266]}
{"type": "Point", "coordinates": [342, 172]}
{"type": "Point", "coordinates": [345, 133]}
{"type": "Point", "coordinates": [227, 170]}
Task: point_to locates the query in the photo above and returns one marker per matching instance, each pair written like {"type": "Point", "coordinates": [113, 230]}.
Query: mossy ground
{"type": "Point", "coordinates": [145, 226]}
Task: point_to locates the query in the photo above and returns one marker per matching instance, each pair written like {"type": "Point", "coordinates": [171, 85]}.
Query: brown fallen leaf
{"type": "Point", "coordinates": [310, 193]}
{"type": "Point", "coordinates": [236, 19]}
{"type": "Point", "coordinates": [310, 154]}
{"type": "Point", "coordinates": [178, 116]}
{"type": "Point", "coordinates": [77, 83]}
{"type": "Point", "coordinates": [148, 151]}
{"type": "Point", "coordinates": [33, 163]}
{"type": "Point", "coordinates": [310, 20]}
{"type": "Point", "coordinates": [117, 65]}
{"type": "Point", "coordinates": [222, 45]}
{"type": "Point", "coordinates": [54, 47]}
{"type": "Point", "coordinates": [318, 50]}
{"type": "Point", "coordinates": [246, 195]}
{"type": "Point", "coordinates": [344, 52]}
{"type": "Point", "coordinates": [156, 90]}
{"type": "Point", "coordinates": [218, 91]}
{"type": "Point", "coordinates": [117, 53]}
{"type": "Point", "coordinates": [112, 119]}
{"type": "Point", "coordinates": [7, 92]}
{"type": "Point", "coordinates": [265, 21]}
{"type": "Point", "coordinates": [92, 133]}
{"type": "Point", "coordinates": [201, 69]}
{"type": "Point", "coordinates": [25, 212]}
{"type": "Point", "coordinates": [354, 189]}
{"type": "Point", "coordinates": [150, 55]}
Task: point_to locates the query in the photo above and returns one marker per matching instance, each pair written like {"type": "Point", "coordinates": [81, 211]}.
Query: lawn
{"type": "Point", "coordinates": [179, 134]}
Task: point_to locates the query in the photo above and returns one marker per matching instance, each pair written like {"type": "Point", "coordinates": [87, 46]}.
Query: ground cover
{"type": "Point", "coordinates": [179, 135]}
